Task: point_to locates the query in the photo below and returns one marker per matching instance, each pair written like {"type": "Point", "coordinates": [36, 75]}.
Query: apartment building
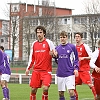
{"type": "Point", "coordinates": [4, 33]}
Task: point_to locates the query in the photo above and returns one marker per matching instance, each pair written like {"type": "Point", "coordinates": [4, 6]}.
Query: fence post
{"type": "Point", "coordinates": [20, 78]}
{"type": "Point", "coordinates": [55, 79]}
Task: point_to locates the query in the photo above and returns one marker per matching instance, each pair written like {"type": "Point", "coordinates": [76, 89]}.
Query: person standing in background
{"type": "Point", "coordinates": [84, 53]}
{"type": "Point", "coordinates": [5, 77]}
{"type": "Point", "coordinates": [95, 64]}
{"type": "Point", "coordinates": [41, 62]}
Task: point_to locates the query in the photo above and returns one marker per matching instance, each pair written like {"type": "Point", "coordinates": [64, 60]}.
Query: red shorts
{"type": "Point", "coordinates": [97, 85]}
{"type": "Point", "coordinates": [84, 77]}
{"type": "Point", "coordinates": [40, 78]}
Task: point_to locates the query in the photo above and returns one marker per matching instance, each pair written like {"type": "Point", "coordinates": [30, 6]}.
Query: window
{"type": "Point", "coordinates": [33, 22]}
{"type": "Point", "coordinates": [65, 21]}
{"type": "Point", "coordinates": [15, 8]}
{"type": "Point", "coordinates": [2, 40]}
{"type": "Point", "coordinates": [83, 20]}
{"type": "Point", "coordinates": [76, 20]}
{"type": "Point", "coordinates": [84, 35]}
{"type": "Point", "coordinates": [99, 34]}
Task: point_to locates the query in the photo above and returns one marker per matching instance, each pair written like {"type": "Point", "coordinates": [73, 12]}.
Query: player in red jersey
{"type": "Point", "coordinates": [41, 61]}
{"type": "Point", "coordinates": [84, 53]}
{"type": "Point", "coordinates": [95, 64]}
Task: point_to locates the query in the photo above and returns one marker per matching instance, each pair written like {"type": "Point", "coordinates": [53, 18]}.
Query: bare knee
{"type": "Point", "coordinates": [33, 90]}
{"type": "Point", "coordinates": [45, 88]}
{"type": "Point", "coordinates": [71, 92]}
{"type": "Point", "coordinates": [3, 83]}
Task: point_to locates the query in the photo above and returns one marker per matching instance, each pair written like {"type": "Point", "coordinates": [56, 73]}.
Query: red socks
{"type": "Point", "coordinates": [93, 91]}
{"type": "Point", "coordinates": [76, 94]}
{"type": "Point", "coordinates": [33, 96]}
{"type": "Point", "coordinates": [45, 96]}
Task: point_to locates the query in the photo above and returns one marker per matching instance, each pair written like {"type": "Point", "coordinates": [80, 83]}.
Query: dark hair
{"type": "Point", "coordinates": [42, 28]}
{"type": "Point", "coordinates": [1, 47]}
{"type": "Point", "coordinates": [63, 33]}
{"type": "Point", "coordinates": [79, 33]}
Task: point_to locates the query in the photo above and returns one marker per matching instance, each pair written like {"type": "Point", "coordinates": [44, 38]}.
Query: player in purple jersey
{"type": "Point", "coordinates": [5, 75]}
{"type": "Point", "coordinates": [67, 60]}
{"type": "Point", "coordinates": [1, 64]}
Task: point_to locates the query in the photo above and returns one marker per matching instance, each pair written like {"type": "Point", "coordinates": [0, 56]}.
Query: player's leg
{"type": "Point", "coordinates": [46, 81]}
{"type": "Point", "coordinates": [4, 84]}
{"type": "Point", "coordinates": [33, 93]}
{"type": "Point", "coordinates": [70, 84]}
{"type": "Point", "coordinates": [61, 87]}
{"type": "Point", "coordinates": [78, 81]}
{"type": "Point", "coordinates": [97, 87]}
{"type": "Point", "coordinates": [87, 79]}
{"type": "Point", "coordinates": [34, 84]}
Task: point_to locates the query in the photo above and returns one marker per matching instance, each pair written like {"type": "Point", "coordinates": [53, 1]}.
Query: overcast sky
{"type": "Point", "coordinates": [77, 5]}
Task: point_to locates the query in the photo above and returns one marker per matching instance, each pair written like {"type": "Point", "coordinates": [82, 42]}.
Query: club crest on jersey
{"type": "Point", "coordinates": [43, 45]}
{"type": "Point", "coordinates": [68, 51]}
{"type": "Point", "coordinates": [80, 49]}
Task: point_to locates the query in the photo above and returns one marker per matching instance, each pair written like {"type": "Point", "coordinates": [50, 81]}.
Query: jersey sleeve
{"type": "Point", "coordinates": [94, 58]}
{"type": "Point", "coordinates": [1, 57]}
{"type": "Point", "coordinates": [31, 58]}
{"type": "Point", "coordinates": [88, 50]}
{"type": "Point", "coordinates": [76, 60]}
{"type": "Point", "coordinates": [51, 45]}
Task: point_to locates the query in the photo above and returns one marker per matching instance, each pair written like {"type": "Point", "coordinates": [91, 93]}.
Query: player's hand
{"type": "Point", "coordinates": [76, 73]}
{"type": "Point", "coordinates": [53, 53]}
{"type": "Point", "coordinates": [81, 58]}
{"type": "Point", "coordinates": [97, 69]}
{"type": "Point", "coordinates": [27, 72]}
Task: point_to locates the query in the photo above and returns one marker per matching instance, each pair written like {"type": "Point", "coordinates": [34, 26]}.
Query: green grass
{"type": "Point", "coordinates": [22, 92]}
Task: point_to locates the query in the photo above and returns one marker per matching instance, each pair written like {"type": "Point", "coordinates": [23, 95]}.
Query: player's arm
{"type": "Point", "coordinates": [31, 62]}
{"type": "Point", "coordinates": [89, 51]}
{"type": "Point", "coordinates": [76, 62]}
{"type": "Point", "coordinates": [94, 57]}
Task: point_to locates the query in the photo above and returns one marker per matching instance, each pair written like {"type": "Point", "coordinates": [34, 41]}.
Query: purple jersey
{"type": "Point", "coordinates": [1, 62]}
{"type": "Point", "coordinates": [67, 60]}
{"type": "Point", "coordinates": [6, 65]}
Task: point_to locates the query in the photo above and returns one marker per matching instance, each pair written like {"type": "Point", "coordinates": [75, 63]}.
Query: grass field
{"type": "Point", "coordinates": [22, 91]}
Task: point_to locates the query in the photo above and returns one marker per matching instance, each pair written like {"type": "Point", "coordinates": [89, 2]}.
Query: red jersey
{"type": "Point", "coordinates": [97, 63]}
{"type": "Point", "coordinates": [84, 51]}
{"type": "Point", "coordinates": [40, 58]}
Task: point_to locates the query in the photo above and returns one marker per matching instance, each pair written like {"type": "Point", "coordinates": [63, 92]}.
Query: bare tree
{"type": "Point", "coordinates": [92, 9]}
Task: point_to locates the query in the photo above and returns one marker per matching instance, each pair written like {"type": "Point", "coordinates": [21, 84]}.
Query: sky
{"type": "Point", "coordinates": [77, 5]}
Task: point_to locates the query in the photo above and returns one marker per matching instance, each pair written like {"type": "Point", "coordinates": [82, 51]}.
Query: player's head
{"type": "Point", "coordinates": [2, 48]}
{"type": "Point", "coordinates": [78, 37]}
{"type": "Point", "coordinates": [41, 28]}
{"type": "Point", "coordinates": [40, 32]}
{"type": "Point", "coordinates": [99, 43]}
{"type": "Point", "coordinates": [63, 37]}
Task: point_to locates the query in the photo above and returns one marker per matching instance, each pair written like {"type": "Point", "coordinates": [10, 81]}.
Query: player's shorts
{"type": "Point", "coordinates": [83, 77]}
{"type": "Point", "coordinates": [5, 77]}
{"type": "Point", "coordinates": [66, 83]}
{"type": "Point", "coordinates": [40, 78]}
{"type": "Point", "coordinates": [97, 85]}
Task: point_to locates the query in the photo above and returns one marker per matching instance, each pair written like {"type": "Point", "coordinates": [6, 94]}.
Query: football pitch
{"type": "Point", "coordinates": [22, 92]}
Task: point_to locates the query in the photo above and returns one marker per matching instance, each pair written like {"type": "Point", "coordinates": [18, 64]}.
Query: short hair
{"type": "Point", "coordinates": [42, 28]}
{"type": "Point", "coordinates": [79, 33]}
{"type": "Point", "coordinates": [1, 47]}
{"type": "Point", "coordinates": [63, 33]}
{"type": "Point", "coordinates": [98, 42]}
